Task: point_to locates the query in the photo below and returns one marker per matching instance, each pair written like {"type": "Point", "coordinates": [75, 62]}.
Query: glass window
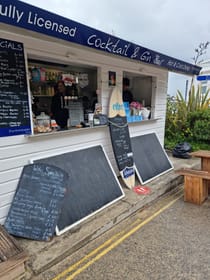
{"type": "Point", "coordinates": [137, 91]}
{"type": "Point", "coordinates": [80, 91]}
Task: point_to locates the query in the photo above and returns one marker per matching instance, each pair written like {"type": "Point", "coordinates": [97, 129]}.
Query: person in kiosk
{"type": "Point", "coordinates": [58, 110]}
{"type": "Point", "coordinates": [127, 94]}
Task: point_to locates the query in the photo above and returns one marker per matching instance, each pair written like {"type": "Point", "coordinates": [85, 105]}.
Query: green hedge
{"type": "Point", "coordinates": [182, 124]}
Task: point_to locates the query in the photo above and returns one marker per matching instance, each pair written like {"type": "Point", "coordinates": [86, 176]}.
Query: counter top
{"type": "Point", "coordinates": [82, 129]}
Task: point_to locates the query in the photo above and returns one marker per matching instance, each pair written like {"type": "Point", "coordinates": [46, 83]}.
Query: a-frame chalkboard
{"type": "Point", "coordinates": [92, 185]}
{"type": "Point", "coordinates": [149, 157]}
{"type": "Point", "coordinates": [37, 202]}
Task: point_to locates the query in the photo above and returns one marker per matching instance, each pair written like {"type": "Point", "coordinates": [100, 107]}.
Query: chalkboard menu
{"type": "Point", "coordinates": [121, 141]}
{"type": "Point", "coordinates": [37, 202]}
{"type": "Point", "coordinates": [149, 157]}
{"type": "Point", "coordinates": [14, 102]}
{"type": "Point", "coordinates": [92, 185]}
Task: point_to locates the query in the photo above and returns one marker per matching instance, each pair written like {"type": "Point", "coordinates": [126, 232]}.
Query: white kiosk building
{"type": "Point", "coordinates": [55, 47]}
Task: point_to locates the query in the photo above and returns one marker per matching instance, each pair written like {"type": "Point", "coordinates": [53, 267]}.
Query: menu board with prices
{"type": "Point", "coordinates": [14, 98]}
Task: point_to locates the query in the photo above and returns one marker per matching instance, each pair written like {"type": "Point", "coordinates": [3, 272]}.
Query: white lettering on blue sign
{"type": "Point", "coordinates": [117, 106]}
{"type": "Point", "coordinates": [178, 65]}
{"type": "Point", "coordinates": [128, 171]}
{"type": "Point", "coordinates": [34, 19]}
{"type": "Point", "coordinates": [146, 56]}
{"type": "Point", "coordinates": [13, 13]}
{"type": "Point", "coordinates": [135, 53]}
{"type": "Point", "coordinates": [26, 16]}
{"type": "Point", "coordinates": [108, 45]}
{"type": "Point", "coordinates": [157, 60]}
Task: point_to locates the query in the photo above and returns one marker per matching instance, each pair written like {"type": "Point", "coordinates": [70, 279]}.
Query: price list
{"type": "Point", "coordinates": [121, 141]}
{"type": "Point", "coordinates": [14, 101]}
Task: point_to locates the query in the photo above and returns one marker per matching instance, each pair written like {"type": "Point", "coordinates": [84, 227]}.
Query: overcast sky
{"type": "Point", "coordinates": [172, 27]}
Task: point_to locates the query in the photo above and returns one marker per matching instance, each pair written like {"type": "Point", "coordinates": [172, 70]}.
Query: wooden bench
{"type": "Point", "coordinates": [204, 155]}
{"type": "Point", "coordinates": [195, 185]}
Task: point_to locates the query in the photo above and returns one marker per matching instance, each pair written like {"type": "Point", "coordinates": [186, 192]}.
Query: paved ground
{"type": "Point", "coordinates": [43, 255]}
{"type": "Point", "coordinates": [168, 240]}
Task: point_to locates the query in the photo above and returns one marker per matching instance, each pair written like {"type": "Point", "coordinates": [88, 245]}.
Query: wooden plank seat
{"type": "Point", "coordinates": [12, 257]}
{"type": "Point", "coordinates": [195, 185]}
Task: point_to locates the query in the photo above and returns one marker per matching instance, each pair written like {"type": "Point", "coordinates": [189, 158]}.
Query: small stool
{"type": "Point", "coordinates": [195, 185]}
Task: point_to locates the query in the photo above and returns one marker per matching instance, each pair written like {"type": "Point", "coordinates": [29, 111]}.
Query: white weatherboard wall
{"type": "Point", "coordinates": [17, 151]}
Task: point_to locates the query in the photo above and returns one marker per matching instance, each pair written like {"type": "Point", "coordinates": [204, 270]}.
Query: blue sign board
{"type": "Point", "coordinates": [26, 16]}
{"type": "Point", "coordinates": [203, 78]}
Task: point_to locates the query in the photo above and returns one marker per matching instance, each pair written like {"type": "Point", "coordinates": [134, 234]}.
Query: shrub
{"type": "Point", "coordinates": [199, 122]}
{"type": "Point", "coordinates": [188, 120]}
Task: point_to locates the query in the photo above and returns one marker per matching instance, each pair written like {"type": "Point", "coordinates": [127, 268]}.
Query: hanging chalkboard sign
{"type": "Point", "coordinates": [149, 157]}
{"type": "Point", "coordinates": [93, 185]}
{"type": "Point", "coordinates": [37, 202]}
{"type": "Point", "coordinates": [121, 141]}
{"type": "Point", "coordinates": [120, 138]}
{"type": "Point", "coordinates": [14, 100]}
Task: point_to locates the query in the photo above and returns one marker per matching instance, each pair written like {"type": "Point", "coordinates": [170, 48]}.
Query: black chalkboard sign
{"type": "Point", "coordinates": [121, 141]}
{"type": "Point", "coordinates": [149, 157]}
{"type": "Point", "coordinates": [14, 102]}
{"type": "Point", "coordinates": [92, 185]}
{"type": "Point", "coordinates": [37, 202]}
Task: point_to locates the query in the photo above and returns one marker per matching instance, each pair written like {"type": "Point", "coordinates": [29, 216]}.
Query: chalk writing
{"type": "Point", "coordinates": [14, 103]}
{"type": "Point", "coordinates": [37, 203]}
{"type": "Point", "coordinates": [121, 141]}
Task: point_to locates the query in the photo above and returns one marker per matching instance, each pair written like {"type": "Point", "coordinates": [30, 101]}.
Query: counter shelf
{"type": "Point", "coordinates": [76, 129]}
